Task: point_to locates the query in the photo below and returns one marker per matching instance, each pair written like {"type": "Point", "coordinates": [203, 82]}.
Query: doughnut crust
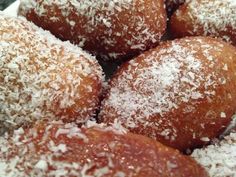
{"type": "Point", "coordinates": [54, 149]}
{"type": "Point", "coordinates": [110, 29]}
{"type": "Point", "coordinates": [214, 18]}
{"type": "Point", "coordinates": [42, 77]}
{"type": "Point", "coordinates": [181, 93]}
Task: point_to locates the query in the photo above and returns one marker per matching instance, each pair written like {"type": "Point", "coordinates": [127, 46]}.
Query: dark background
{"type": "Point", "coordinates": [5, 3]}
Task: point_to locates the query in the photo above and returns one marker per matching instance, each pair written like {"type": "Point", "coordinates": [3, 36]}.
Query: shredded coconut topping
{"type": "Point", "coordinates": [214, 17]}
{"type": "Point", "coordinates": [50, 150]}
{"type": "Point", "coordinates": [150, 87]}
{"type": "Point", "coordinates": [42, 77]}
{"type": "Point", "coordinates": [156, 92]}
{"type": "Point", "coordinates": [54, 160]}
{"type": "Point", "coordinates": [115, 26]}
{"type": "Point", "coordinates": [219, 159]}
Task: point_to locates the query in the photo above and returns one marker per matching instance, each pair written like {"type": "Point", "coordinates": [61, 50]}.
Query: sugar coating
{"type": "Point", "coordinates": [219, 159]}
{"type": "Point", "coordinates": [42, 77]}
{"type": "Point", "coordinates": [117, 27]}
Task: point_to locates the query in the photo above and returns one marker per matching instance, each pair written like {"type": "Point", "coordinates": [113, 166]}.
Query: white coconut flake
{"type": "Point", "coordinates": [222, 115]}
{"type": "Point", "coordinates": [206, 139]}
{"type": "Point", "coordinates": [42, 165]}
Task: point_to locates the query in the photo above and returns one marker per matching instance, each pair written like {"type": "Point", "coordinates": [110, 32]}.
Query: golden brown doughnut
{"type": "Point", "coordinates": [56, 149]}
{"type": "Point", "coordinates": [216, 18]}
{"type": "Point", "coordinates": [219, 159]}
{"type": "Point", "coordinates": [42, 77]}
{"type": "Point", "coordinates": [111, 29]}
{"type": "Point", "coordinates": [181, 93]}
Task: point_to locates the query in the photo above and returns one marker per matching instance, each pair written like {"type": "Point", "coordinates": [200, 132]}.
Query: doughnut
{"type": "Point", "coordinates": [181, 93]}
{"type": "Point", "coordinates": [42, 77]}
{"type": "Point", "coordinates": [219, 159]}
{"type": "Point", "coordinates": [57, 149]}
{"type": "Point", "coordinates": [172, 5]}
{"type": "Point", "coordinates": [110, 29]}
{"type": "Point", "coordinates": [214, 18]}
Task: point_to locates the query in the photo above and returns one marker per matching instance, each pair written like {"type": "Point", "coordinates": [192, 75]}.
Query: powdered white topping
{"type": "Point", "coordinates": [42, 77]}
{"type": "Point", "coordinates": [219, 159]}
{"type": "Point", "coordinates": [120, 25]}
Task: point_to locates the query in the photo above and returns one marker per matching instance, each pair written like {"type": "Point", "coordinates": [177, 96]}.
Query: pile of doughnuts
{"type": "Point", "coordinates": [166, 111]}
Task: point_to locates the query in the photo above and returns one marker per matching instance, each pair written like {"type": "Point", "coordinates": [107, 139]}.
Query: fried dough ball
{"type": "Point", "coordinates": [111, 29]}
{"type": "Point", "coordinates": [55, 149]}
{"type": "Point", "coordinates": [42, 77]}
{"type": "Point", "coordinates": [181, 93]}
{"type": "Point", "coordinates": [214, 18]}
{"type": "Point", "coordinates": [172, 5]}
{"type": "Point", "coordinates": [219, 159]}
